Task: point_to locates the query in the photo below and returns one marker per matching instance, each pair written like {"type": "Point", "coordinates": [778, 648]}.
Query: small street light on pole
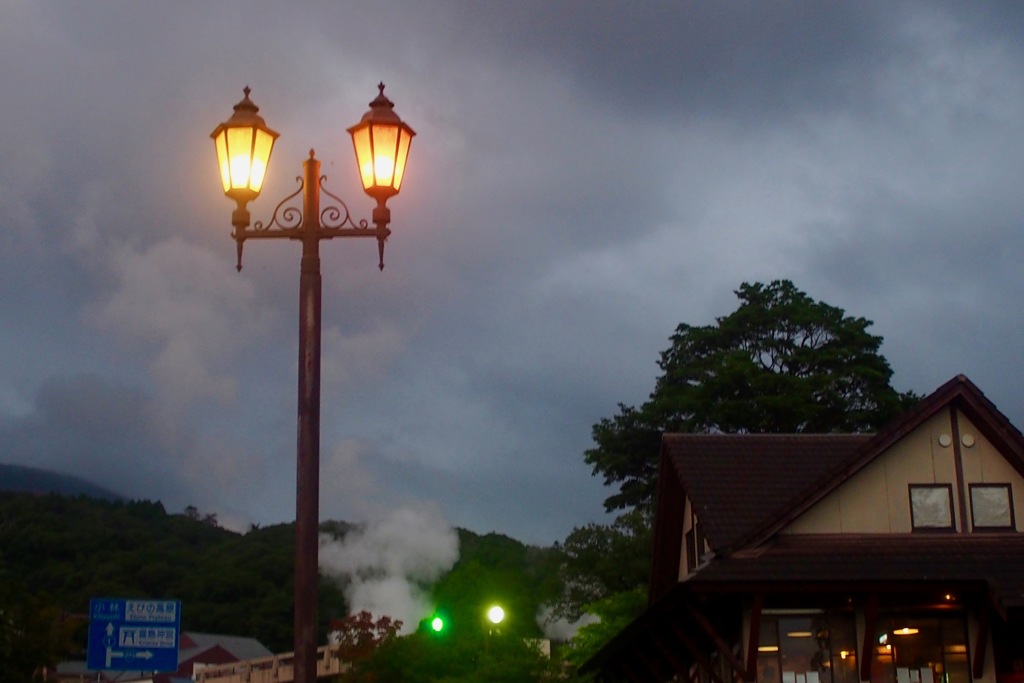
{"type": "Point", "coordinates": [244, 144]}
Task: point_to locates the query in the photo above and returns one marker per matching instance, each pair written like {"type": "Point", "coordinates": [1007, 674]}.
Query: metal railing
{"type": "Point", "coordinates": [274, 669]}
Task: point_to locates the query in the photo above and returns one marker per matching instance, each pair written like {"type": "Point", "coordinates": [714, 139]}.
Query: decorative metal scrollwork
{"type": "Point", "coordinates": [334, 220]}
{"type": "Point", "coordinates": [333, 217]}
{"type": "Point", "coordinates": [291, 216]}
{"type": "Point", "coordinates": [338, 217]}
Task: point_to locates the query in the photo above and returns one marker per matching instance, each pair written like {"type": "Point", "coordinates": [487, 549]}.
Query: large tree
{"type": "Point", "coordinates": [780, 363]}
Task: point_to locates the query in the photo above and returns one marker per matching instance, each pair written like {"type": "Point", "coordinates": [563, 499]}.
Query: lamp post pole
{"type": "Point", "coordinates": [307, 496]}
{"type": "Point", "coordinates": [244, 144]}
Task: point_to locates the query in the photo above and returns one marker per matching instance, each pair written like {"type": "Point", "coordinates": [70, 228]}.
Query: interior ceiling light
{"type": "Point", "coordinates": [767, 648]}
{"type": "Point", "coordinates": [905, 631]}
{"type": "Point", "coordinates": [799, 634]}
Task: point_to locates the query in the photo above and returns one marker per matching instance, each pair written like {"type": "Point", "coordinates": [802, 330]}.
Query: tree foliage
{"type": "Point", "coordinates": [425, 658]}
{"type": "Point", "coordinates": [35, 634]}
{"type": "Point", "coordinates": [614, 612]}
{"type": "Point", "coordinates": [780, 363]}
{"type": "Point", "coordinates": [359, 635]}
{"type": "Point", "coordinates": [74, 549]}
{"type": "Point", "coordinates": [600, 561]}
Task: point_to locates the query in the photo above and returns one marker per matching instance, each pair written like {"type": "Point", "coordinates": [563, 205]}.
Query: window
{"type": "Point", "coordinates": [992, 506]}
{"type": "Point", "coordinates": [931, 507]}
{"type": "Point", "coordinates": [813, 647]}
{"type": "Point", "coordinates": [921, 650]}
{"type": "Point", "coordinates": [695, 543]}
{"type": "Point", "coordinates": [691, 550]}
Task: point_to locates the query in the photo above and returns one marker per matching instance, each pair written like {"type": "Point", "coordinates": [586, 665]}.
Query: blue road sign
{"type": "Point", "coordinates": [133, 635]}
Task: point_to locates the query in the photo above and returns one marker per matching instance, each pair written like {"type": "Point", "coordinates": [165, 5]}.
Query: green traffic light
{"type": "Point", "coordinates": [437, 623]}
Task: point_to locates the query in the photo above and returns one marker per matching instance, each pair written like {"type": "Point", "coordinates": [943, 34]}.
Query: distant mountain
{"type": "Point", "coordinates": [22, 479]}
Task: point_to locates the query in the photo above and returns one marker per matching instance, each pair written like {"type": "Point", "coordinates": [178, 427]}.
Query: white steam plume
{"type": "Point", "coordinates": [561, 629]}
{"type": "Point", "coordinates": [390, 563]}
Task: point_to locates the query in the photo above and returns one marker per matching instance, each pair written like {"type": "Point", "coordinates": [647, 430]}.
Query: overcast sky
{"type": "Point", "coordinates": [586, 176]}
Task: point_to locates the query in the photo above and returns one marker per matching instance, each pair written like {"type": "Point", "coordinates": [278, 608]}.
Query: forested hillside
{"type": "Point", "coordinates": [60, 552]}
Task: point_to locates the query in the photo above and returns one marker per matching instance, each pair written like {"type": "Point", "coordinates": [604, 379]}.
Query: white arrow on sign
{"type": "Point", "coordinates": [111, 654]}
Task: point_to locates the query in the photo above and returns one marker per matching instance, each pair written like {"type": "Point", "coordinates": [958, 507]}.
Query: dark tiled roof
{"type": "Point", "coordinates": [996, 558]}
{"type": "Point", "coordinates": [737, 481]}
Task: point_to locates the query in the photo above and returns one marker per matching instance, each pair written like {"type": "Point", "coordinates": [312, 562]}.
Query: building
{"type": "Point", "coordinates": [891, 558]}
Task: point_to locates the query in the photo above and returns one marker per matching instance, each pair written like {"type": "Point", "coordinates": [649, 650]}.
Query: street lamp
{"type": "Point", "coordinates": [496, 615]}
{"type": "Point", "coordinates": [244, 143]}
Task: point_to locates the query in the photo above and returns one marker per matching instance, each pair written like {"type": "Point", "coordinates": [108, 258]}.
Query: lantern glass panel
{"type": "Point", "coordinates": [260, 159]}
{"type": "Point", "coordinates": [364, 155]}
{"type": "Point", "coordinates": [222, 159]}
{"type": "Point", "coordinates": [385, 144]}
{"type": "Point", "coordinates": [403, 154]}
{"type": "Point", "coordinates": [240, 151]}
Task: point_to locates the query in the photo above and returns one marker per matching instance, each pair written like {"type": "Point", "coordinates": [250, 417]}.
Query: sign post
{"type": "Point", "coordinates": [133, 635]}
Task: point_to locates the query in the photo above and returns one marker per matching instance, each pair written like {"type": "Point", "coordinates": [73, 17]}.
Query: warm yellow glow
{"type": "Point", "coordinates": [767, 648]}
{"type": "Point", "coordinates": [381, 141]}
{"type": "Point", "coordinates": [843, 654]}
{"type": "Point", "coordinates": [248, 157]}
{"type": "Point", "coordinates": [385, 143]}
{"type": "Point", "coordinates": [364, 155]}
{"type": "Point", "coordinates": [799, 634]}
{"type": "Point", "coordinates": [239, 149]}
{"type": "Point", "coordinates": [381, 151]}
{"type": "Point", "coordinates": [905, 631]}
{"type": "Point", "coordinates": [244, 144]}
{"type": "Point", "coordinates": [400, 157]}
{"type": "Point", "coordinates": [380, 170]}
{"type": "Point", "coordinates": [243, 159]}
{"type": "Point", "coordinates": [384, 169]}
{"type": "Point", "coordinates": [222, 160]}
{"type": "Point", "coordinates": [496, 614]}
{"type": "Point", "coordinates": [260, 158]}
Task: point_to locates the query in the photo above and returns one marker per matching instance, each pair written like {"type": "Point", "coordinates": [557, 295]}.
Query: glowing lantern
{"type": "Point", "coordinates": [381, 142]}
{"type": "Point", "coordinates": [244, 143]}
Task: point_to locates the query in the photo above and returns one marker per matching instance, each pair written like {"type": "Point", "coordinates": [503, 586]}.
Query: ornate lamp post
{"type": "Point", "coordinates": [244, 143]}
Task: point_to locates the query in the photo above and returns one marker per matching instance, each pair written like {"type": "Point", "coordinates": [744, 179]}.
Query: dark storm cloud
{"type": "Point", "coordinates": [586, 176]}
{"type": "Point", "coordinates": [687, 60]}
